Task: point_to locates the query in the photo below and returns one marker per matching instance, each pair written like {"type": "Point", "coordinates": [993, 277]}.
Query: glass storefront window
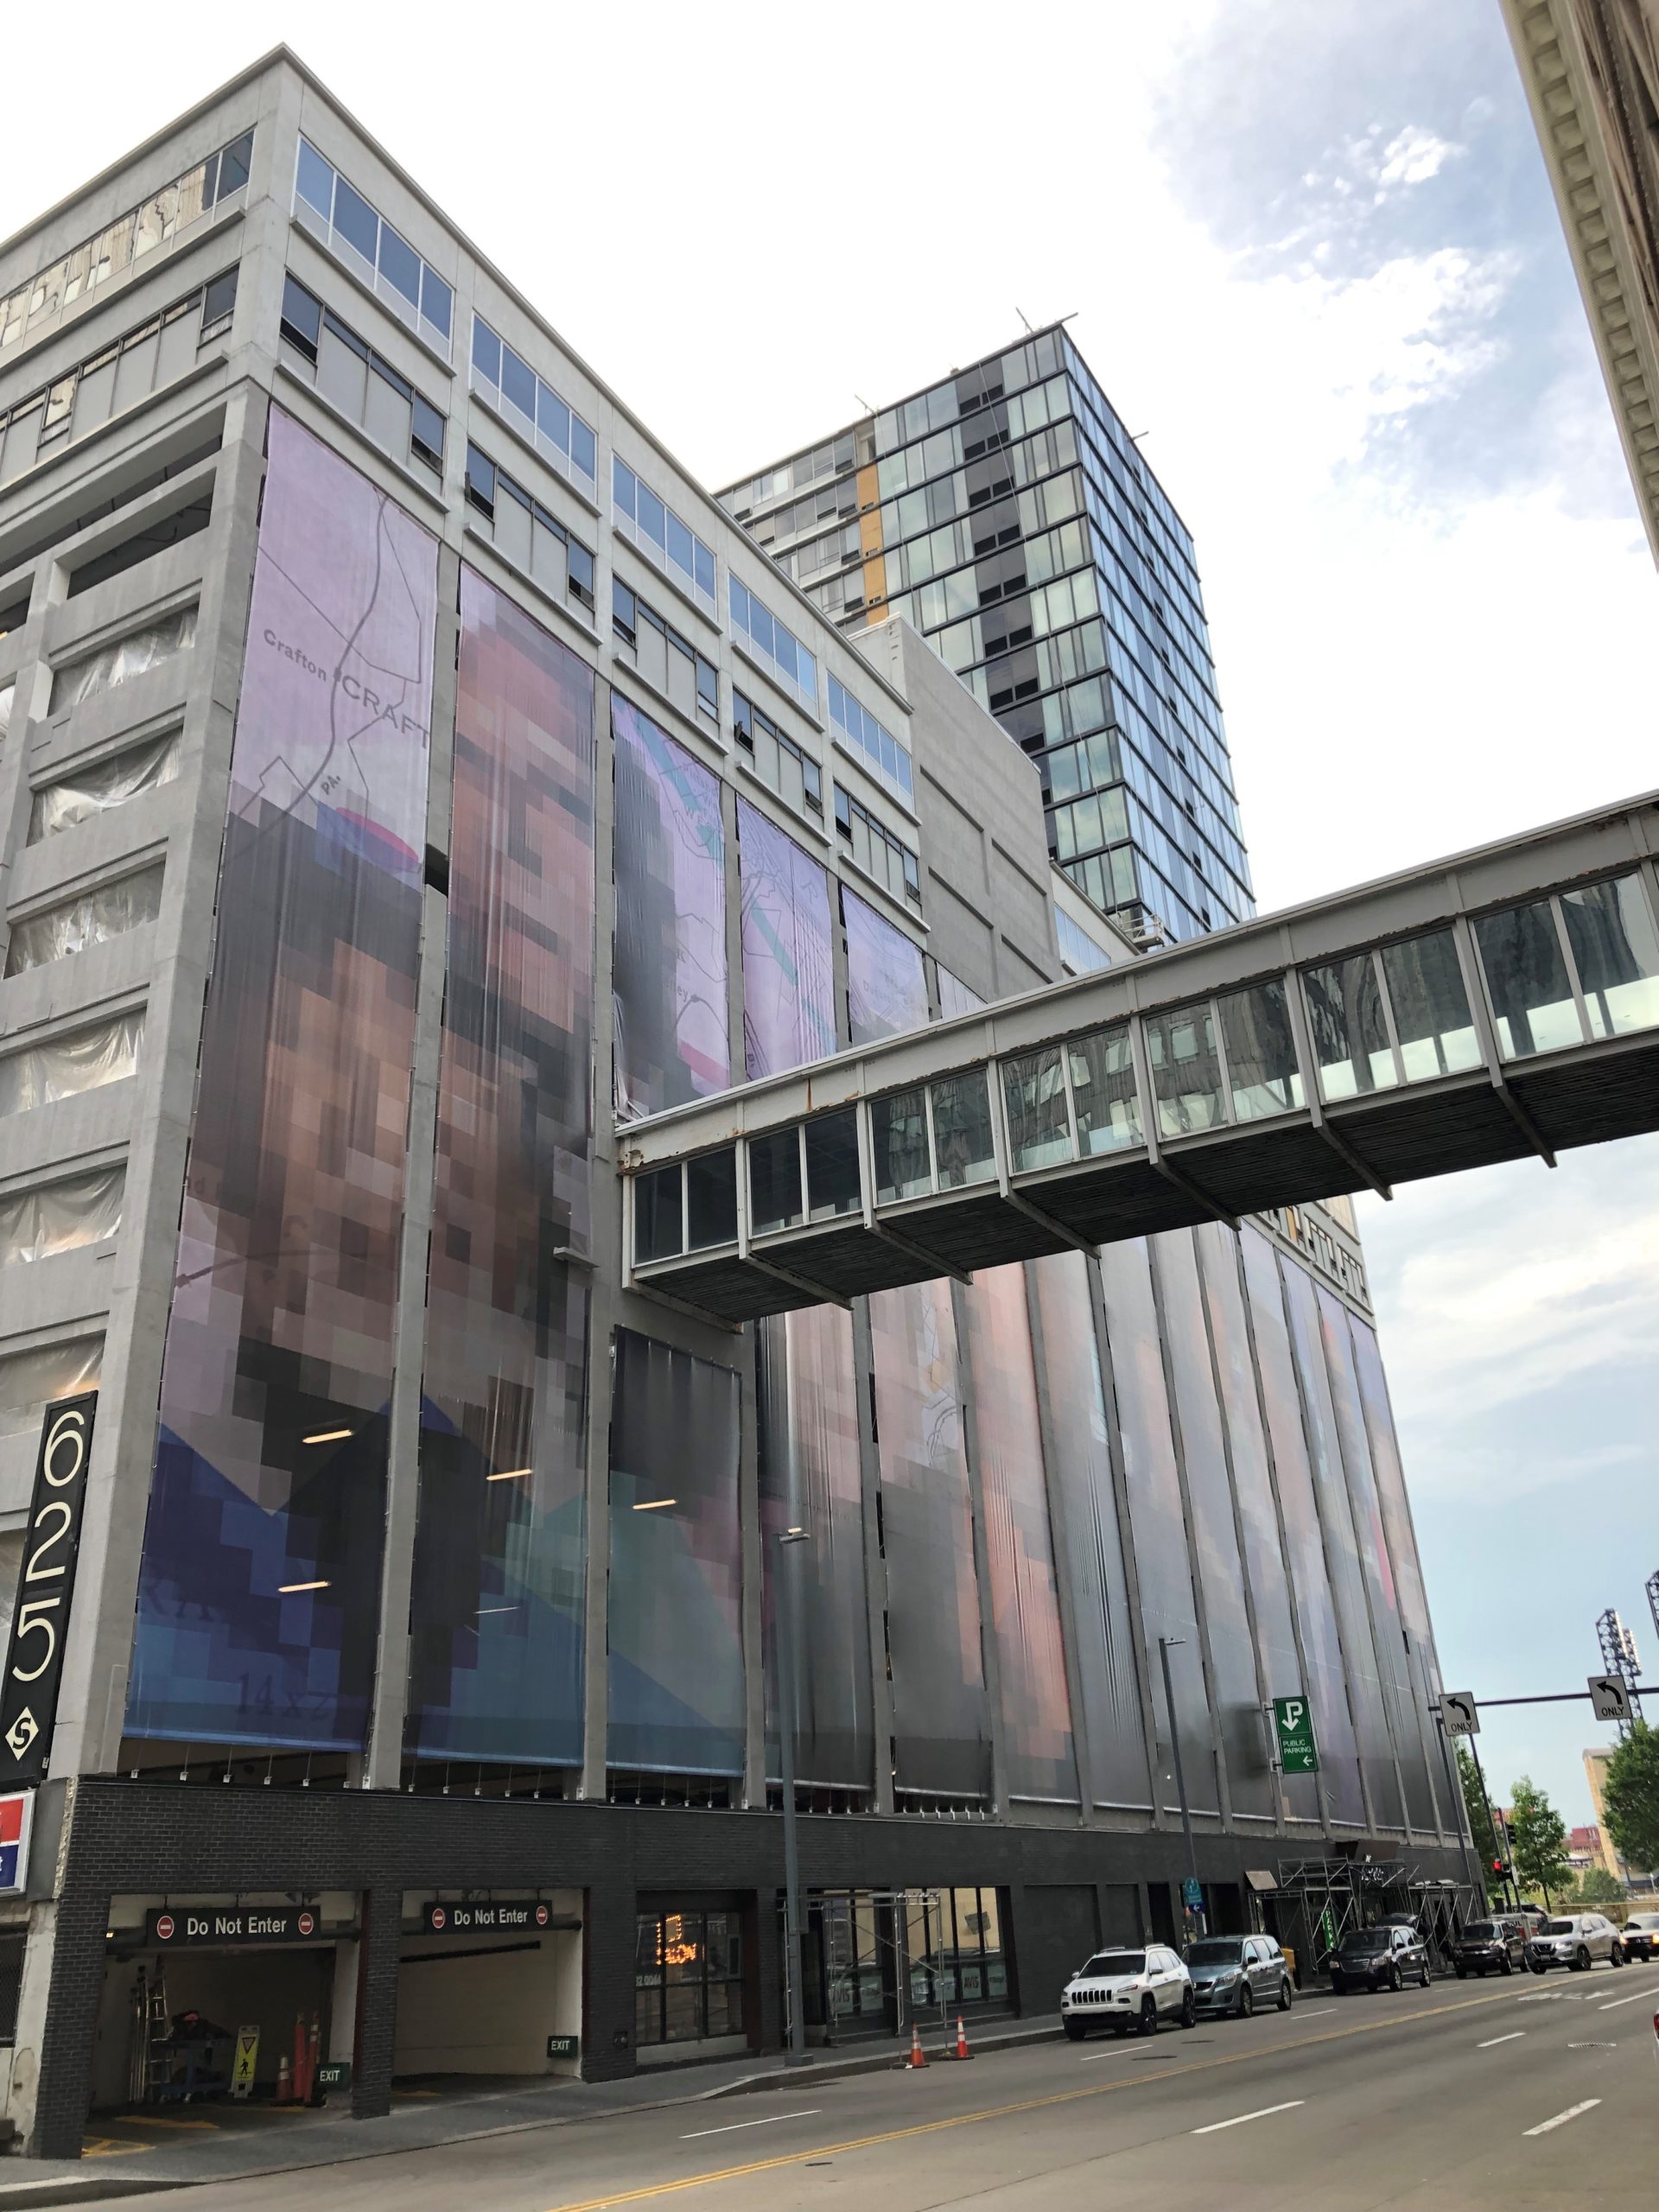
{"type": "Point", "coordinates": [1103, 1090]}
{"type": "Point", "coordinates": [1350, 1035]}
{"type": "Point", "coordinates": [962, 1130]}
{"type": "Point", "coordinates": [688, 1976]}
{"type": "Point", "coordinates": [1185, 1072]}
{"type": "Point", "coordinates": [1261, 1051]}
{"type": "Point", "coordinates": [899, 1136]}
{"type": "Point", "coordinates": [1040, 1129]}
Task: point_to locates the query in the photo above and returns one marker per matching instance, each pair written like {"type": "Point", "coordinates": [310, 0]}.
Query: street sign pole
{"type": "Point", "coordinates": [1459, 1810]}
{"type": "Point", "coordinates": [1491, 1821]}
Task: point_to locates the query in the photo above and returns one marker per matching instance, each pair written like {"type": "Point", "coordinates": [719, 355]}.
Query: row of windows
{"type": "Point", "coordinates": [945, 403]}
{"type": "Point", "coordinates": [1038, 667]}
{"type": "Point", "coordinates": [358, 234]}
{"type": "Point", "coordinates": [834, 551]}
{"type": "Point", "coordinates": [535, 409]}
{"type": "Point", "coordinates": [779, 648]}
{"type": "Point", "coordinates": [350, 374]}
{"type": "Point", "coordinates": [524, 531]}
{"type": "Point", "coordinates": [830, 459]}
{"type": "Point", "coordinates": [835, 500]}
{"type": "Point", "coordinates": [1035, 614]}
{"type": "Point", "coordinates": [1110, 426]}
{"type": "Point", "coordinates": [996, 576]}
{"type": "Point", "coordinates": [877, 851]}
{"type": "Point", "coordinates": [118, 375]}
{"type": "Point", "coordinates": [1006, 421]}
{"type": "Point", "coordinates": [163, 217]}
{"type": "Point", "coordinates": [781, 764]}
{"type": "Point", "coordinates": [1091, 763]}
{"type": "Point", "coordinates": [1023, 516]}
{"type": "Point", "coordinates": [857, 729]}
{"type": "Point", "coordinates": [652, 526]}
{"type": "Point", "coordinates": [665, 659]}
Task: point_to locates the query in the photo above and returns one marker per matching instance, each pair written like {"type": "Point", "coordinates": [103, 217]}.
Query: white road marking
{"type": "Point", "coordinates": [1266, 2112]}
{"type": "Point", "coordinates": [1562, 2118]}
{"type": "Point", "coordinates": [1514, 2036]}
{"type": "Point", "coordinates": [1634, 1998]}
{"type": "Point", "coordinates": [771, 2121]}
{"type": "Point", "coordinates": [1320, 2013]}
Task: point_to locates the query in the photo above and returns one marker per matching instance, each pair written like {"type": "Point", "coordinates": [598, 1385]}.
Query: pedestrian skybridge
{"type": "Point", "coordinates": [1500, 1003]}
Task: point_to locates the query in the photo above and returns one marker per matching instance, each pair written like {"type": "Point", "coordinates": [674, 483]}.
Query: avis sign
{"type": "Point", "coordinates": [1292, 1724]}
{"type": "Point", "coordinates": [28, 1689]}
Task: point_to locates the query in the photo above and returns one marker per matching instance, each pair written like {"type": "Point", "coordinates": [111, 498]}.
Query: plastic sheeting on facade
{"type": "Point", "coordinates": [1422, 1663]}
{"type": "Point", "coordinates": [31, 1380]}
{"type": "Point", "coordinates": [1378, 1767]}
{"type": "Point", "coordinates": [1082, 1469]}
{"type": "Point", "coordinates": [669, 981]}
{"type": "Point", "coordinates": [258, 1595]}
{"type": "Point", "coordinates": [1039, 1756]}
{"type": "Point", "coordinates": [1258, 1519]}
{"type": "Point", "coordinates": [811, 1478]}
{"type": "Point", "coordinates": [955, 996]}
{"type": "Point", "coordinates": [62, 1217]}
{"type": "Point", "coordinates": [124, 658]}
{"type": "Point", "coordinates": [1310, 1578]}
{"type": "Point", "coordinates": [1158, 1521]}
{"type": "Point", "coordinates": [496, 1618]}
{"type": "Point", "coordinates": [941, 1716]}
{"type": "Point", "coordinates": [64, 1066]}
{"type": "Point", "coordinates": [886, 984]}
{"type": "Point", "coordinates": [1204, 1457]}
{"type": "Point", "coordinates": [109, 910]}
{"type": "Point", "coordinates": [677, 1578]}
{"type": "Point", "coordinates": [789, 998]}
{"type": "Point", "coordinates": [1386, 1622]}
{"type": "Point", "coordinates": [103, 785]}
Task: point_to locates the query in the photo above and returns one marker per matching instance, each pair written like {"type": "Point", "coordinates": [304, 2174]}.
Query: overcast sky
{"type": "Point", "coordinates": [1313, 255]}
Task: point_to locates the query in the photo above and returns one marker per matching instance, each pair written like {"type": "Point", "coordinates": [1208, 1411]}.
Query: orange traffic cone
{"type": "Point", "coordinates": [916, 2057]}
{"type": "Point", "coordinates": [963, 2050]}
{"type": "Point", "coordinates": [284, 2083]}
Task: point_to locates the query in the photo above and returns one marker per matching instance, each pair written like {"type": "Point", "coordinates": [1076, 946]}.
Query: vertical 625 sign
{"type": "Point", "coordinates": [28, 1689]}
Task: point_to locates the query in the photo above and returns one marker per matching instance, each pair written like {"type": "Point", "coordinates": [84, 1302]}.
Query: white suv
{"type": "Point", "coordinates": [1128, 1989]}
{"type": "Point", "coordinates": [1575, 1940]}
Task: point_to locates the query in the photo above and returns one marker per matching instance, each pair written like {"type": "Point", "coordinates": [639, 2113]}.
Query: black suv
{"type": "Point", "coordinates": [1496, 1946]}
{"type": "Point", "coordinates": [1379, 1958]}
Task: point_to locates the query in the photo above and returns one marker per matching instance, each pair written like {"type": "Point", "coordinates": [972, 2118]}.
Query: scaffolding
{"type": "Point", "coordinates": [1319, 1900]}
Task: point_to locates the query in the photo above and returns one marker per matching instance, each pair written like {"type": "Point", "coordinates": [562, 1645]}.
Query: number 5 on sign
{"type": "Point", "coordinates": [33, 1668]}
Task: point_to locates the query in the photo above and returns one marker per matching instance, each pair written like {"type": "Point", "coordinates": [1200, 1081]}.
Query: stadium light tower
{"type": "Point", "coordinates": [1618, 1652]}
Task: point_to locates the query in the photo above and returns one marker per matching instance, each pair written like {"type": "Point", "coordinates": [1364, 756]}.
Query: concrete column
{"type": "Point", "coordinates": [377, 2002]}
{"type": "Point", "coordinates": [875, 1565]}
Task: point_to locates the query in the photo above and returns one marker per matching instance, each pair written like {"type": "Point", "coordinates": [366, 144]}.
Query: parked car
{"type": "Point", "coordinates": [1379, 1958]}
{"type": "Point", "coordinates": [1235, 1974]}
{"type": "Point", "coordinates": [1639, 1936]}
{"type": "Point", "coordinates": [1495, 1946]}
{"type": "Point", "coordinates": [1126, 1989]}
{"type": "Point", "coordinates": [1575, 1940]}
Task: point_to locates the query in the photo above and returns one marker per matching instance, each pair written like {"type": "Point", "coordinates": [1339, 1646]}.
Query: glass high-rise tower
{"type": "Point", "coordinates": [1006, 513]}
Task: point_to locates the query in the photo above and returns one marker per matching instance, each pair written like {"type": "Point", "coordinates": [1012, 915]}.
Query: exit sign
{"type": "Point", "coordinates": [1292, 1724]}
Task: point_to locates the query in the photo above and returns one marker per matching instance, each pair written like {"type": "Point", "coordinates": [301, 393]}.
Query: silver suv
{"type": "Point", "coordinates": [1575, 1940]}
{"type": "Point", "coordinates": [1127, 1989]}
{"type": "Point", "coordinates": [1235, 1974]}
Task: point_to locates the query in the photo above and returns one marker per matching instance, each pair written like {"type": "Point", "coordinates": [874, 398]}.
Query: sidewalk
{"type": "Point", "coordinates": [134, 2154]}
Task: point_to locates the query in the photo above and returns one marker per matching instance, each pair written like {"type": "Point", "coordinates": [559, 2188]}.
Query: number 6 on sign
{"type": "Point", "coordinates": [34, 1670]}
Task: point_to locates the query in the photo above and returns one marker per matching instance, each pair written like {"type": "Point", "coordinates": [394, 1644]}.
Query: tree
{"type": "Point", "coordinates": [1538, 1835]}
{"type": "Point", "coordinates": [1597, 1886]}
{"type": "Point", "coordinates": [1480, 1827]}
{"type": "Point", "coordinates": [1630, 1798]}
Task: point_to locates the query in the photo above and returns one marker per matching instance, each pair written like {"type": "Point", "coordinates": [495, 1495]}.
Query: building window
{"type": "Point", "coordinates": [776, 648]}
{"type": "Point", "coordinates": [531, 406]}
{"type": "Point", "coordinates": [164, 216]}
{"type": "Point", "coordinates": [781, 764]}
{"type": "Point", "coordinates": [670, 664]}
{"type": "Point", "coordinates": [857, 731]}
{"type": "Point", "coordinates": [954, 1943]}
{"type": "Point", "coordinates": [334, 210]}
{"type": "Point", "coordinates": [651, 525]}
{"type": "Point", "coordinates": [363, 385]}
{"type": "Point", "coordinates": [688, 1977]}
{"type": "Point", "coordinates": [876, 850]}
{"type": "Point", "coordinates": [527, 535]}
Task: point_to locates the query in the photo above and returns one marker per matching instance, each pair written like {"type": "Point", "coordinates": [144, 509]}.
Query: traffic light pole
{"type": "Point", "coordinates": [1491, 1821]}
{"type": "Point", "coordinates": [1461, 1811]}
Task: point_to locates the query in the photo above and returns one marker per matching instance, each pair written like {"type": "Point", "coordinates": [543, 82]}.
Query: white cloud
{"type": "Point", "coordinates": [1413, 155]}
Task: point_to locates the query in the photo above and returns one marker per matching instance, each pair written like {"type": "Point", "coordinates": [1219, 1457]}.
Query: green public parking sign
{"type": "Point", "coordinates": [1294, 1726]}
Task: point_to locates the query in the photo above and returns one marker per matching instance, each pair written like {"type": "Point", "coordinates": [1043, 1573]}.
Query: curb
{"type": "Point", "coordinates": [881, 2061]}
{"type": "Point", "coordinates": [92, 2189]}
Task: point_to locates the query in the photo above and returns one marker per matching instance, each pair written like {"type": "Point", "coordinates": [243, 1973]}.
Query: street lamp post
{"type": "Point", "coordinates": [788, 1720]}
{"type": "Point", "coordinates": [1164, 1643]}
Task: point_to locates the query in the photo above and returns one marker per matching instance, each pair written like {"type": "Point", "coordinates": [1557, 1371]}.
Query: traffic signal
{"type": "Point", "coordinates": [1500, 1870]}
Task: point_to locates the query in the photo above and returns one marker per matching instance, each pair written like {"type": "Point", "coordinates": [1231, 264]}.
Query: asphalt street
{"type": "Point", "coordinates": [1512, 2093]}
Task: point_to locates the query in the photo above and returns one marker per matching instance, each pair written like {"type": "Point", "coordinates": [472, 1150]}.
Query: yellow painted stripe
{"type": "Point", "coordinates": [1006, 2112]}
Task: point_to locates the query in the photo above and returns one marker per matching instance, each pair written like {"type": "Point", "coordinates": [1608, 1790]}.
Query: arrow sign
{"type": "Point", "coordinates": [1458, 1714]}
{"type": "Point", "coordinates": [1610, 1697]}
{"type": "Point", "coordinates": [1294, 1726]}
